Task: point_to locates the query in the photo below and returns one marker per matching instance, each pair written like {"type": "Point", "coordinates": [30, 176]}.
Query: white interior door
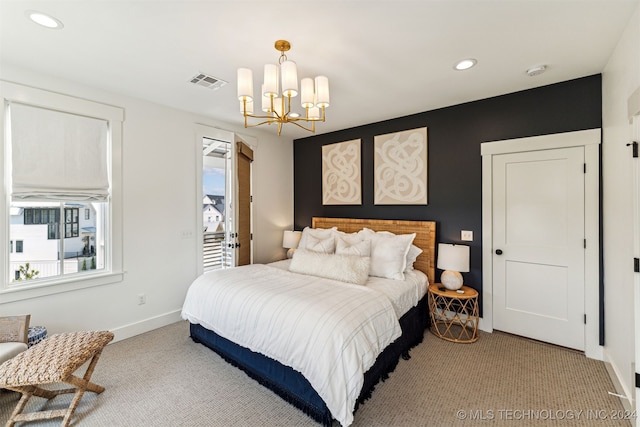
{"type": "Point", "coordinates": [635, 135]}
{"type": "Point", "coordinates": [538, 242]}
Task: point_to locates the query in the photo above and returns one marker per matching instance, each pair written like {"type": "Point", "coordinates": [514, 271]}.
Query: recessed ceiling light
{"type": "Point", "coordinates": [465, 64]}
{"type": "Point", "coordinates": [43, 19]}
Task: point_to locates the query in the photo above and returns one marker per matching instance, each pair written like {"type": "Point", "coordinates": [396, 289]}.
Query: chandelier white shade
{"type": "Point", "coordinates": [280, 85]}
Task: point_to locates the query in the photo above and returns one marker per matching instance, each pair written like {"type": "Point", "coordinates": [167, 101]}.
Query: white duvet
{"type": "Point", "coordinates": [330, 331]}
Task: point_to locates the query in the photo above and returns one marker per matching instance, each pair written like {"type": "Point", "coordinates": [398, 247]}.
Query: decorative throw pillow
{"type": "Point", "coordinates": [318, 233]}
{"type": "Point", "coordinates": [352, 245]}
{"type": "Point", "coordinates": [345, 268]}
{"type": "Point", "coordinates": [388, 253]}
{"type": "Point", "coordinates": [412, 255]}
{"type": "Point", "coordinates": [323, 246]}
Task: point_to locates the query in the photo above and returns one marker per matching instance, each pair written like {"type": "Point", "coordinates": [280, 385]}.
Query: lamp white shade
{"type": "Point", "coordinates": [245, 84]}
{"type": "Point", "coordinates": [322, 91]}
{"type": "Point", "coordinates": [289, 78]}
{"type": "Point", "coordinates": [453, 259]}
{"type": "Point", "coordinates": [278, 106]}
{"type": "Point", "coordinates": [314, 113]}
{"type": "Point", "coordinates": [307, 92]}
{"type": "Point", "coordinates": [270, 86]}
{"type": "Point", "coordinates": [290, 240]}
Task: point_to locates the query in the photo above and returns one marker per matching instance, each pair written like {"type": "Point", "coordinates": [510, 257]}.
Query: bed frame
{"type": "Point", "coordinates": [289, 383]}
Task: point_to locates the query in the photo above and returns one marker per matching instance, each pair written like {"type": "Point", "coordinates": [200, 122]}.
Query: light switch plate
{"type": "Point", "coordinates": [466, 235]}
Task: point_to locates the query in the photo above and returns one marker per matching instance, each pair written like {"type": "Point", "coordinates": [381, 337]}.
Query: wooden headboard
{"type": "Point", "coordinates": [425, 235]}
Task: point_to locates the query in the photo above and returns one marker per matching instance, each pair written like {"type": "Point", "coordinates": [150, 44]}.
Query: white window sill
{"type": "Point", "coordinates": [19, 293]}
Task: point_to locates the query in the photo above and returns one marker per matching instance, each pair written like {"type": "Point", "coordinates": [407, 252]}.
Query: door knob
{"type": "Point", "coordinates": [498, 251]}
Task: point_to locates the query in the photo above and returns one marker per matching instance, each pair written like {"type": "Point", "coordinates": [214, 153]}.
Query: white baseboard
{"type": "Point", "coordinates": [627, 398]}
{"type": "Point", "coordinates": [146, 325]}
{"type": "Point", "coordinates": [485, 326]}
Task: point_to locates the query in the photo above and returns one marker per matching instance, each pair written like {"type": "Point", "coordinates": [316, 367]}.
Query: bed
{"type": "Point", "coordinates": [309, 385]}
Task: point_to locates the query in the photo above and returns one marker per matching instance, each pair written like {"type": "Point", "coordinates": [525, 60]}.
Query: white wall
{"type": "Point", "coordinates": [619, 80]}
{"type": "Point", "coordinates": [160, 203]}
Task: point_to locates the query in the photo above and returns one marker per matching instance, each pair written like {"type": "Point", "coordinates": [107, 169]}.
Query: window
{"type": "Point", "coordinates": [50, 184]}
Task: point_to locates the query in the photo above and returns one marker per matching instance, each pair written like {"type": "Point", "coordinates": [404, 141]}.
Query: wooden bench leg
{"type": "Point", "coordinates": [27, 392]}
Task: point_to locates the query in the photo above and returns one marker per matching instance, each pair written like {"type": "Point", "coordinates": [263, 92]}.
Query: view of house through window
{"type": "Point", "coordinates": [52, 239]}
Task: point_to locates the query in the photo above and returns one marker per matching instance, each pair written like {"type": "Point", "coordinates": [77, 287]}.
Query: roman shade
{"type": "Point", "coordinates": [57, 155]}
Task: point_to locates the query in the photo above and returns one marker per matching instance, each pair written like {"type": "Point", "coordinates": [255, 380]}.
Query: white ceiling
{"type": "Point", "coordinates": [384, 59]}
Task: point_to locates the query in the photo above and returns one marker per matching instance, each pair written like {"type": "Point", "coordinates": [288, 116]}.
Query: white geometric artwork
{"type": "Point", "coordinates": [341, 180]}
{"type": "Point", "coordinates": [400, 168]}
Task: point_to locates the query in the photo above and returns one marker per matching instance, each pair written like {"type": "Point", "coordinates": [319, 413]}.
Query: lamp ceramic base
{"type": "Point", "coordinates": [451, 280]}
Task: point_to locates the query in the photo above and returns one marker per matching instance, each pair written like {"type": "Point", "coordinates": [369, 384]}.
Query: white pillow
{"type": "Point", "coordinates": [412, 255]}
{"type": "Point", "coordinates": [324, 246]}
{"type": "Point", "coordinates": [388, 253]}
{"type": "Point", "coordinates": [345, 268]}
{"type": "Point", "coordinates": [318, 233]}
{"type": "Point", "coordinates": [352, 245]}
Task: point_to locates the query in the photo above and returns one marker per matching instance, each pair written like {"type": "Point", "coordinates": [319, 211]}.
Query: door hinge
{"type": "Point", "coordinates": [250, 236]}
{"type": "Point", "coordinates": [637, 379]}
{"type": "Point", "coordinates": [634, 148]}
{"type": "Point", "coordinates": [585, 319]}
{"type": "Point", "coordinates": [250, 199]}
{"type": "Point", "coordinates": [584, 243]}
{"type": "Point", "coordinates": [584, 168]}
{"type": "Point", "coordinates": [636, 265]}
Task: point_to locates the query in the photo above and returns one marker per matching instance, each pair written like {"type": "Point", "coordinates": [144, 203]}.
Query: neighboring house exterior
{"type": "Point", "coordinates": [213, 213]}
{"type": "Point", "coordinates": [35, 236]}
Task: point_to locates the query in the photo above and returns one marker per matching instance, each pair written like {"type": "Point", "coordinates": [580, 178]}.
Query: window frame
{"type": "Point", "coordinates": [113, 272]}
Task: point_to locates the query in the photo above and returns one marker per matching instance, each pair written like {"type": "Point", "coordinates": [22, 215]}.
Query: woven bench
{"type": "Point", "coordinates": [53, 360]}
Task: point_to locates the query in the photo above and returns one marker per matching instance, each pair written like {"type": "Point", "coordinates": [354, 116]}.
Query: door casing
{"type": "Point", "coordinates": [590, 140]}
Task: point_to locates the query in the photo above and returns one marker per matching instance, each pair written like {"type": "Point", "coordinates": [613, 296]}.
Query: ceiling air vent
{"type": "Point", "coordinates": [208, 81]}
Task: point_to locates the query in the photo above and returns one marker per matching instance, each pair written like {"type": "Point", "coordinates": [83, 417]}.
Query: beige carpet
{"type": "Point", "coordinates": [162, 378]}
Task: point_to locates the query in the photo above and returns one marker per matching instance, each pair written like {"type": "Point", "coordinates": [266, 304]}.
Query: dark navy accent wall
{"type": "Point", "coordinates": [454, 163]}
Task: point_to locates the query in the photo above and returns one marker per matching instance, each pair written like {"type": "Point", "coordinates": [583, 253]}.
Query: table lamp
{"type": "Point", "coordinates": [453, 259]}
{"type": "Point", "coordinates": [290, 241]}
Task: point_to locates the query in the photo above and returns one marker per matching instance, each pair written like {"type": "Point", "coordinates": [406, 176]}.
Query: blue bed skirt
{"type": "Point", "coordinates": [293, 387]}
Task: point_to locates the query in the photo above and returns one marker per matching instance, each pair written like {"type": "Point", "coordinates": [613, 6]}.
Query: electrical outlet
{"type": "Point", "coordinates": [142, 299]}
{"type": "Point", "coordinates": [466, 236]}
{"type": "Point", "coordinates": [186, 234]}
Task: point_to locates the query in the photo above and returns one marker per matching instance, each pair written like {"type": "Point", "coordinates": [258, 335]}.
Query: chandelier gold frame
{"type": "Point", "coordinates": [277, 106]}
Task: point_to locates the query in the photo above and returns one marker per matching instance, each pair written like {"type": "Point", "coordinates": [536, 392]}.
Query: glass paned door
{"type": "Point", "coordinates": [217, 201]}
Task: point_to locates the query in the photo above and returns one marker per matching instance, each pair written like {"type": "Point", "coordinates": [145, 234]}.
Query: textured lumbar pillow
{"type": "Point", "coordinates": [318, 233]}
{"type": "Point", "coordinates": [345, 268]}
{"type": "Point", "coordinates": [324, 246]}
{"type": "Point", "coordinates": [352, 245]}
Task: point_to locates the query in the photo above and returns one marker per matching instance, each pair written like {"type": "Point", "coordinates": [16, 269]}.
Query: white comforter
{"type": "Point", "coordinates": [331, 332]}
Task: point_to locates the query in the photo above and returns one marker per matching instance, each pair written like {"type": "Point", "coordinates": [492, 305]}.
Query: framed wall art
{"type": "Point", "coordinates": [341, 173]}
{"type": "Point", "coordinates": [400, 168]}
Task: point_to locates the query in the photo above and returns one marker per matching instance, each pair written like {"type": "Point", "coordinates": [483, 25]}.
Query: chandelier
{"type": "Point", "coordinates": [275, 103]}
